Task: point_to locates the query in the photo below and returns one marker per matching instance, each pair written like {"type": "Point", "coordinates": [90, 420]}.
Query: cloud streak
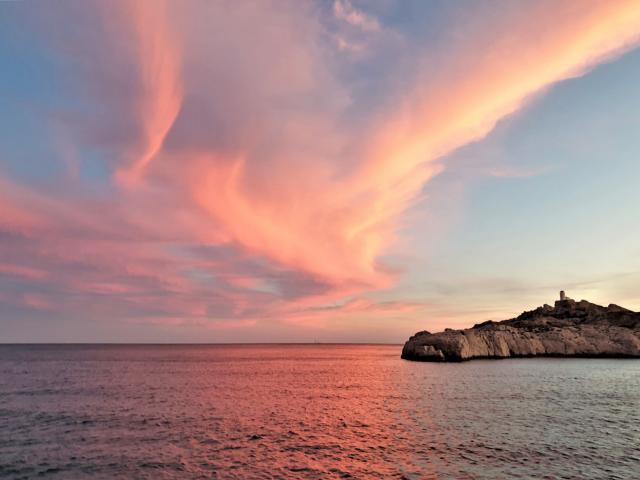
{"type": "Point", "coordinates": [156, 52]}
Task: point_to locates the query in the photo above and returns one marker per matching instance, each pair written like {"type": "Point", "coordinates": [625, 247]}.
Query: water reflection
{"type": "Point", "coordinates": [311, 411]}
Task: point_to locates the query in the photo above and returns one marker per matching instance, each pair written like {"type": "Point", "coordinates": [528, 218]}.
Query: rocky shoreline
{"type": "Point", "coordinates": [568, 329]}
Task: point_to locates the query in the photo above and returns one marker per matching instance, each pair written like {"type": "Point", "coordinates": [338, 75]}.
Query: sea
{"type": "Point", "coordinates": [311, 412]}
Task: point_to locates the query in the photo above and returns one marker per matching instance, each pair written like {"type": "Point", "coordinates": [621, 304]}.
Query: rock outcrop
{"type": "Point", "coordinates": [569, 329]}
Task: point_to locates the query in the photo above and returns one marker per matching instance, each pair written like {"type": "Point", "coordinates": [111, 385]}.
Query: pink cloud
{"type": "Point", "coordinates": [345, 11]}
{"type": "Point", "coordinates": [156, 56]}
{"type": "Point", "coordinates": [22, 271]}
{"type": "Point", "coordinates": [240, 189]}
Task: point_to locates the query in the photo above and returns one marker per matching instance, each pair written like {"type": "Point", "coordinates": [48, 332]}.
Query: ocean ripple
{"type": "Point", "coordinates": [312, 412]}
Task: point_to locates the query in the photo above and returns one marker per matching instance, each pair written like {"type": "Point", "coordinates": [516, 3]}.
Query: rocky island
{"type": "Point", "coordinates": [568, 329]}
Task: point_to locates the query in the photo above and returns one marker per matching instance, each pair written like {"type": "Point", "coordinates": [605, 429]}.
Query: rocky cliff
{"type": "Point", "coordinates": [570, 328]}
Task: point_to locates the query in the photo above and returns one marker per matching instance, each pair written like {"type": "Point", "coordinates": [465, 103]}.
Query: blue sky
{"type": "Point", "coordinates": [570, 221]}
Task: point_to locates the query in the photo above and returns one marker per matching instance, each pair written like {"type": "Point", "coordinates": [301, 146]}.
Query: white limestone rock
{"type": "Point", "coordinates": [578, 329]}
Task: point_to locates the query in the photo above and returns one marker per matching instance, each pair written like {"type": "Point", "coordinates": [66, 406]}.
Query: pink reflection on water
{"type": "Point", "coordinates": [312, 412]}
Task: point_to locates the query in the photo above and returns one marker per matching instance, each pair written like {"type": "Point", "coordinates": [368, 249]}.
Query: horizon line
{"type": "Point", "coordinates": [196, 343]}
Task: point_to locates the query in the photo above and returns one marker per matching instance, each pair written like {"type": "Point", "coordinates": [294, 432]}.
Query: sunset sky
{"type": "Point", "coordinates": [258, 171]}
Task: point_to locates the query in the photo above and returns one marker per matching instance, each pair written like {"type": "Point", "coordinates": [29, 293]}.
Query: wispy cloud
{"type": "Point", "coordinates": [243, 180]}
{"type": "Point", "coordinates": [346, 12]}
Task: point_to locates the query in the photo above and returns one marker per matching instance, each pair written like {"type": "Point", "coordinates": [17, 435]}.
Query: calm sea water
{"type": "Point", "coordinates": [311, 411]}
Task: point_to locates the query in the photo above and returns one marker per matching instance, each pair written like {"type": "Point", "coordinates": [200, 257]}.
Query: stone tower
{"type": "Point", "coordinates": [562, 295]}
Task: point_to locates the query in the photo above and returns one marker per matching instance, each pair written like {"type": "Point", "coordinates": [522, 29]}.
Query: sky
{"type": "Point", "coordinates": [299, 171]}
